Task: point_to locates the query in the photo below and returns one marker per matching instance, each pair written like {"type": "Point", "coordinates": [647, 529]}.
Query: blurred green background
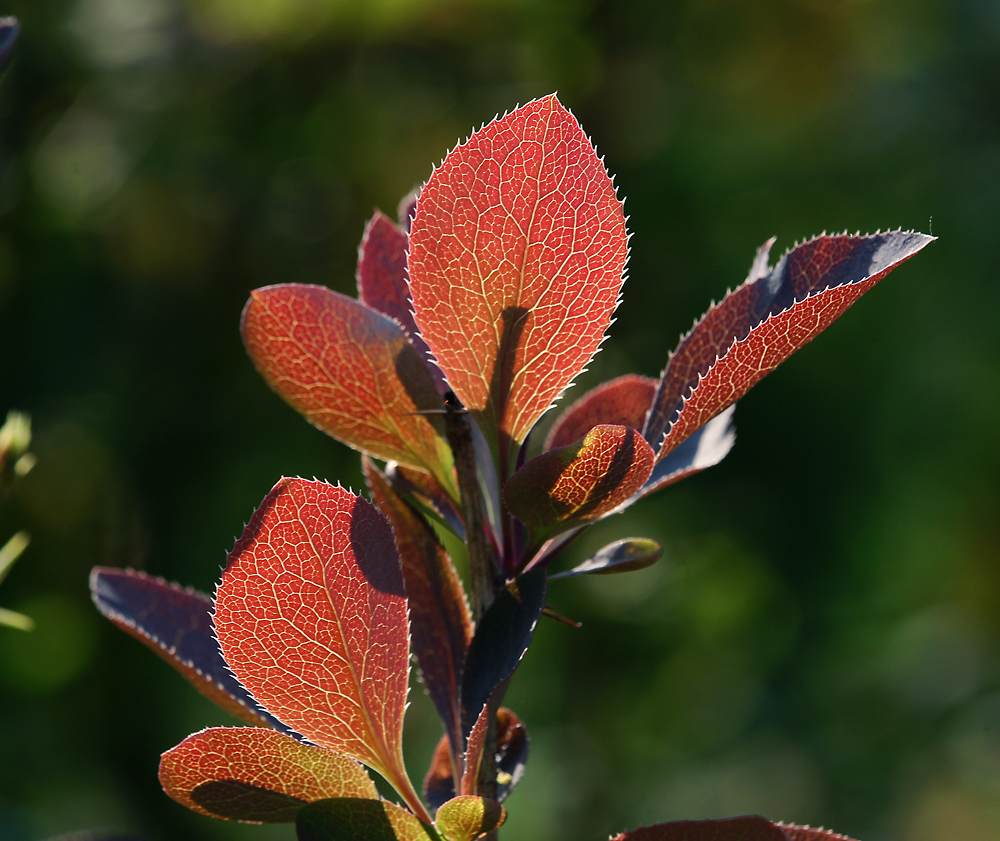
{"type": "Point", "coordinates": [823, 643]}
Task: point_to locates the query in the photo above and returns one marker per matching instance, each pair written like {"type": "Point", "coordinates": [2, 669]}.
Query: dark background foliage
{"type": "Point", "coordinates": [822, 643]}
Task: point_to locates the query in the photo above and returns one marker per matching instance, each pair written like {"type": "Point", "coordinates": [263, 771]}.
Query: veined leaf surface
{"type": "Point", "coordinates": [176, 622]}
{"type": "Point", "coordinates": [623, 401]}
{"type": "Point", "coordinates": [562, 488]}
{"type": "Point", "coordinates": [517, 253]}
{"type": "Point", "coordinates": [255, 775]}
{"type": "Point", "coordinates": [439, 616]}
{"type": "Point", "coordinates": [351, 819]}
{"type": "Point", "coordinates": [351, 371]}
{"type": "Point", "coordinates": [311, 617]}
{"type": "Point", "coordinates": [466, 817]}
{"type": "Point", "coordinates": [749, 828]}
{"type": "Point", "coordinates": [383, 283]}
{"type": "Point", "coordinates": [763, 322]}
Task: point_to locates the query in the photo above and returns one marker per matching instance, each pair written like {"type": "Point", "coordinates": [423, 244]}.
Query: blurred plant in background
{"type": "Point", "coordinates": [161, 158]}
{"type": "Point", "coordinates": [15, 462]}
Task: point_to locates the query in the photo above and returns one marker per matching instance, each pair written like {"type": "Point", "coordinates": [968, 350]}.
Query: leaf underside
{"type": "Point", "coordinates": [562, 488]}
{"type": "Point", "coordinates": [256, 775]}
{"type": "Point", "coordinates": [626, 555]}
{"type": "Point", "coordinates": [749, 828]}
{"type": "Point", "coordinates": [440, 623]}
{"type": "Point", "coordinates": [517, 253]}
{"type": "Point", "coordinates": [349, 819]}
{"type": "Point", "coordinates": [311, 617]}
{"type": "Point", "coordinates": [763, 322]}
{"type": "Point", "coordinates": [351, 371]}
{"type": "Point", "coordinates": [176, 623]}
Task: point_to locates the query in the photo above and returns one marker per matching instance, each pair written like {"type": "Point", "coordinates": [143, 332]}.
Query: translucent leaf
{"type": "Point", "coordinates": [623, 401]}
{"type": "Point", "coordinates": [757, 327]}
{"type": "Point", "coordinates": [351, 371]}
{"type": "Point", "coordinates": [517, 252]}
{"type": "Point", "coordinates": [348, 819]}
{"type": "Point", "coordinates": [466, 817]}
{"type": "Point", "coordinates": [257, 776]}
{"type": "Point", "coordinates": [562, 488]}
{"type": "Point", "coordinates": [312, 619]}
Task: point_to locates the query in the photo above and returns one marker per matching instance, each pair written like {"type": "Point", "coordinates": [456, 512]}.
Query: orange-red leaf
{"type": "Point", "coordinates": [352, 819]}
{"type": "Point", "coordinates": [623, 401]}
{"type": "Point", "coordinates": [383, 283]}
{"type": "Point", "coordinates": [311, 618]}
{"type": "Point", "coordinates": [439, 616]}
{"type": "Point", "coordinates": [756, 328]}
{"type": "Point", "coordinates": [517, 253]}
{"type": "Point", "coordinates": [565, 487]}
{"type": "Point", "coordinates": [749, 828]}
{"type": "Point", "coordinates": [257, 775]}
{"type": "Point", "coordinates": [351, 371]}
{"type": "Point", "coordinates": [466, 817]}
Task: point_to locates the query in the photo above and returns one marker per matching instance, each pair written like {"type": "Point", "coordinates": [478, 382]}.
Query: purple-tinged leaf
{"type": "Point", "coordinates": [384, 285]}
{"type": "Point", "coordinates": [311, 617]}
{"type": "Point", "coordinates": [623, 401]}
{"type": "Point", "coordinates": [176, 623]}
{"type": "Point", "coordinates": [705, 448]}
{"type": "Point", "coordinates": [9, 30]}
{"type": "Point", "coordinates": [352, 819]}
{"type": "Point", "coordinates": [257, 776]}
{"type": "Point", "coordinates": [625, 555]}
{"type": "Point", "coordinates": [466, 817]}
{"type": "Point", "coordinates": [749, 828]}
{"type": "Point", "coordinates": [763, 322]}
{"type": "Point", "coordinates": [424, 492]}
{"type": "Point", "coordinates": [517, 253]}
{"type": "Point", "coordinates": [440, 623]}
{"type": "Point", "coordinates": [513, 747]}
{"type": "Point", "coordinates": [351, 371]}
{"type": "Point", "coordinates": [566, 487]}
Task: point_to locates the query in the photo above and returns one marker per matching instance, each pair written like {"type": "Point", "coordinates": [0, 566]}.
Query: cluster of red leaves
{"type": "Point", "coordinates": [492, 294]}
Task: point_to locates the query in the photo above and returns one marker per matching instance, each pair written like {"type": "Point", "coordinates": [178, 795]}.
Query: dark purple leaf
{"type": "Point", "coordinates": [625, 555]}
{"type": "Point", "coordinates": [9, 30]}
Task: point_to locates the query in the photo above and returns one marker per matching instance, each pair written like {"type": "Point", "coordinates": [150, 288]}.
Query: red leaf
{"type": "Point", "coordinates": [176, 622]}
{"type": "Point", "coordinates": [311, 618]}
{"type": "Point", "coordinates": [256, 775]}
{"type": "Point", "coordinates": [351, 371]}
{"type": "Point", "coordinates": [757, 327]}
{"type": "Point", "coordinates": [750, 828]}
{"type": "Point", "coordinates": [384, 285]}
{"type": "Point", "coordinates": [516, 258]}
{"type": "Point", "coordinates": [425, 493]}
{"type": "Point", "coordinates": [623, 401]}
{"type": "Point", "coordinates": [439, 616]}
{"type": "Point", "coordinates": [466, 817]}
{"type": "Point", "coordinates": [571, 485]}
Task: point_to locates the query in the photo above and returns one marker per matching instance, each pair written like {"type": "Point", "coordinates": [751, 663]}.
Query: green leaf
{"type": "Point", "coordinates": [351, 819]}
{"type": "Point", "coordinates": [466, 817]}
{"type": "Point", "coordinates": [624, 555]}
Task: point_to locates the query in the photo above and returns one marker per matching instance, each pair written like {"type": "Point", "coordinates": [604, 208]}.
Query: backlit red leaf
{"type": "Point", "coordinates": [565, 487]}
{"type": "Point", "coordinates": [750, 828]}
{"type": "Point", "coordinates": [350, 819]}
{"type": "Point", "coordinates": [421, 490]}
{"type": "Point", "coordinates": [466, 817]}
{"type": "Point", "coordinates": [311, 617]}
{"type": "Point", "coordinates": [625, 555]}
{"type": "Point", "coordinates": [757, 327]}
{"type": "Point", "coordinates": [517, 253]}
{"type": "Point", "coordinates": [439, 616]}
{"type": "Point", "coordinates": [176, 622]}
{"type": "Point", "coordinates": [383, 283]}
{"type": "Point", "coordinates": [623, 401]}
{"type": "Point", "coordinates": [256, 775]}
{"type": "Point", "coordinates": [351, 371]}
